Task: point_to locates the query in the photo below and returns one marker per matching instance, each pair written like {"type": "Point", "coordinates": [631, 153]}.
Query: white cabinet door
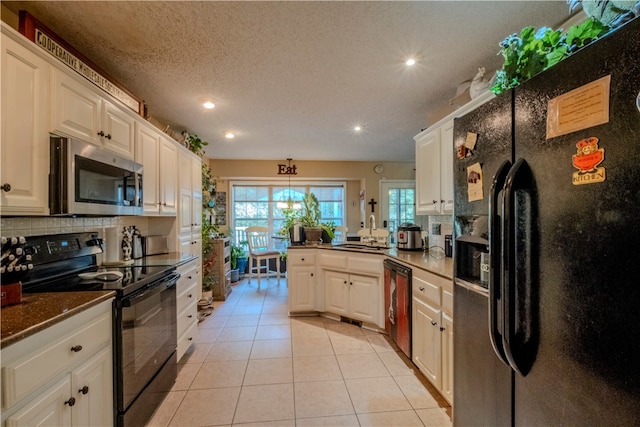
{"type": "Point", "coordinates": [118, 130]}
{"type": "Point", "coordinates": [302, 288]}
{"type": "Point", "coordinates": [185, 217]}
{"type": "Point", "coordinates": [48, 409]}
{"type": "Point", "coordinates": [196, 189]}
{"type": "Point", "coordinates": [24, 144]}
{"type": "Point", "coordinates": [336, 296]}
{"type": "Point", "coordinates": [76, 109]}
{"type": "Point", "coordinates": [92, 386]}
{"type": "Point", "coordinates": [363, 298]}
{"type": "Point", "coordinates": [446, 167]}
{"type": "Point", "coordinates": [426, 340]}
{"type": "Point", "coordinates": [428, 174]}
{"type": "Point", "coordinates": [447, 357]}
{"type": "Point", "coordinates": [147, 154]}
{"type": "Point", "coordinates": [168, 177]}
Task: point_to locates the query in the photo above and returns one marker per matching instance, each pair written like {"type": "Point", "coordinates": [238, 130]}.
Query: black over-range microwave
{"type": "Point", "coordinates": [87, 180]}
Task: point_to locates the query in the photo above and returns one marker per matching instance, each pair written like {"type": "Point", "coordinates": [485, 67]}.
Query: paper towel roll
{"type": "Point", "coordinates": [112, 242]}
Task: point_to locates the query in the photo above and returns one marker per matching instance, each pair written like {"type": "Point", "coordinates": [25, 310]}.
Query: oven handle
{"type": "Point", "coordinates": [153, 289]}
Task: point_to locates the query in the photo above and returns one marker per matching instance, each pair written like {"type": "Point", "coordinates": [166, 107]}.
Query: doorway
{"type": "Point", "coordinates": [398, 204]}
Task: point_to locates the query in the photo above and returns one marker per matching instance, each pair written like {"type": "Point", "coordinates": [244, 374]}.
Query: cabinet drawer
{"type": "Point", "coordinates": [186, 339]}
{"type": "Point", "coordinates": [186, 297]}
{"type": "Point", "coordinates": [447, 302]}
{"type": "Point", "coordinates": [26, 374]}
{"type": "Point", "coordinates": [301, 258]}
{"type": "Point", "coordinates": [187, 316]}
{"type": "Point", "coordinates": [370, 265]}
{"type": "Point", "coordinates": [426, 291]}
{"type": "Point", "coordinates": [328, 260]}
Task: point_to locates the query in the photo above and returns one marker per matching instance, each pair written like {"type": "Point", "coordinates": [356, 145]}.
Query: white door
{"type": "Point", "coordinates": [398, 204]}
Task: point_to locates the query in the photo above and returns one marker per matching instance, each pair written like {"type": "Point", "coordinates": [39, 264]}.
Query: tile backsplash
{"type": "Point", "coordinates": [446, 227]}
{"type": "Point", "coordinates": [36, 226]}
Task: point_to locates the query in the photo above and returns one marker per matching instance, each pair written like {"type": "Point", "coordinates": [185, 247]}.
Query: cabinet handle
{"type": "Point", "coordinates": [6, 187]}
{"type": "Point", "coordinates": [84, 390]}
{"type": "Point", "coordinates": [108, 136]}
{"type": "Point", "coordinates": [100, 133]}
{"type": "Point", "coordinates": [442, 329]}
{"type": "Point", "coordinates": [421, 288]}
{"type": "Point", "coordinates": [71, 401]}
{"type": "Point", "coordinates": [76, 348]}
{"type": "Point", "coordinates": [434, 323]}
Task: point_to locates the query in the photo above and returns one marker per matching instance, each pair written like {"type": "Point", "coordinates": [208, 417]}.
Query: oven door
{"type": "Point", "coordinates": [88, 180]}
{"type": "Point", "coordinates": [146, 337]}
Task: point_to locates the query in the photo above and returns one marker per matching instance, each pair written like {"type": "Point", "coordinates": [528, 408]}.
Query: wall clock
{"type": "Point", "coordinates": [378, 168]}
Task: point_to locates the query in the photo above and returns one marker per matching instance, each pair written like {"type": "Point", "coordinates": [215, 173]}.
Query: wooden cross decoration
{"type": "Point", "coordinates": [373, 204]}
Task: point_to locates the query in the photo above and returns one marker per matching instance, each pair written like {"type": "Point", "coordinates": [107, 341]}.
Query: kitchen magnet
{"type": "Point", "coordinates": [471, 140]}
{"type": "Point", "coordinates": [474, 182]}
{"type": "Point", "coordinates": [587, 159]}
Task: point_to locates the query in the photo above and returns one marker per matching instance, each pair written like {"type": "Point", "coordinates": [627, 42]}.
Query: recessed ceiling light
{"type": "Point", "coordinates": [410, 62]}
{"type": "Point", "coordinates": [357, 128]}
{"type": "Point", "coordinates": [208, 104]}
{"type": "Point", "coordinates": [229, 135]}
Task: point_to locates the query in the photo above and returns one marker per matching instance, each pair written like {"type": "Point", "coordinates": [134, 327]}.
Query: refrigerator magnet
{"type": "Point", "coordinates": [470, 141]}
{"type": "Point", "coordinates": [474, 182]}
{"type": "Point", "coordinates": [586, 160]}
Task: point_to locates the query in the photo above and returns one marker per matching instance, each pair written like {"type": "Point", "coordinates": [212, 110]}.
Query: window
{"type": "Point", "coordinates": [256, 203]}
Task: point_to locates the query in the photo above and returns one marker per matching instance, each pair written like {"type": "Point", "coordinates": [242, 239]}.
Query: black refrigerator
{"type": "Point", "coordinates": [547, 276]}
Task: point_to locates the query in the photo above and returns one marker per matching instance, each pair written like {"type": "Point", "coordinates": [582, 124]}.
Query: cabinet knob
{"type": "Point", "coordinates": [442, 329]}
{"type": "Point", "coordinates": [434, 201]}
{"type": "Point", "coordinates": [421, 288]}
{"type": "Point", "coordinates": [190, 338]}
{"type": "Point", "coordinates": [441, 201]}
{"type": "Point", "coordinates": [434, 323]}
{"type": "Point", "coordinates": [76, 348]}
{"type": "Point", "coordinates": [190, 316]}
{"type": "Point", "coordinates": [6, 187]}
{"type": "Point", "coordinates": [302, 259]}
{"type": "Point", "coordinates": [190, 295]}
{"type": "Point", "coordinates": [190, 277]}
{"type": "Point", "coordinates": [71, 401]}
{"type": "Point", "coordinates": [100, 133]}
{"type": "Point", "coordinates": [345, 282]}
{"type": "Point", "coordinates": [164, 204]}
{"type": "Point", "coordinates": [108, 136]}
{"type": "Point", "coordinates": [311, 274]}
{"type": "Point", "coordinates": [84, 390]}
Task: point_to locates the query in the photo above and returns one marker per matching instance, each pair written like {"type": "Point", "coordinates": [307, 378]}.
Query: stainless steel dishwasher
{"type": "Point", "coordinates": [397, 304]}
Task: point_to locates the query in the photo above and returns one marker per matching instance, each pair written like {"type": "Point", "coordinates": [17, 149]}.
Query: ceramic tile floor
{"type": "Point", "coordinates": [252, 365]}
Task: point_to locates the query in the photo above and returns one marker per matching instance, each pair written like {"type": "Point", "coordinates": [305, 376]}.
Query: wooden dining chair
{"type": "Point", "coordinates": [260, 250]}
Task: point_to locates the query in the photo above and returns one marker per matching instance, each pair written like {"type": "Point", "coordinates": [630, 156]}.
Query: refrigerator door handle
{"type": "Point", "coordinates": [495, 261]}
{"type": "Point", "coordinates": [520, 321]}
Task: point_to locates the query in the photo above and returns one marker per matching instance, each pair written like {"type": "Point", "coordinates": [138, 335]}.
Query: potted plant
{"type": "Point", "coordinates": [208, 283]}
{"type": "Point", "coordinates": [328, 231]}
{"type": "Point", "coordinates": [309, 218]}
{"type": "Point", "coordinates": [236, 253]}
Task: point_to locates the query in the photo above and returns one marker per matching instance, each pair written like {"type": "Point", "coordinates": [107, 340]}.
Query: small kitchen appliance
{"type": "Point", "coordinates": [409, 237]}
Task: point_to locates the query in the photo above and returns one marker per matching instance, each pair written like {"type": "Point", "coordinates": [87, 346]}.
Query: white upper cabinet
{"type": "Point", "coordinates": [159, 157]}
{"type": "Point", "coordinates": [80, 112]}
{"type": "Point", "coordinates": [434, 162]}
{"type": "Point", "coordinates": [24, 144]}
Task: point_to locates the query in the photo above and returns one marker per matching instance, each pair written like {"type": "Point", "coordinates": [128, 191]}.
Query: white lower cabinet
{"type": "Point", "coordinates": [63, 375]}
{"type": "Point", "coordinates": [301, 279]}
{"type": "Point", "coordinates": [352, 295]}
{"type": "Point", "coordinates": [187, 305]}
{"type": "Point", "coordinates": [432, 330]}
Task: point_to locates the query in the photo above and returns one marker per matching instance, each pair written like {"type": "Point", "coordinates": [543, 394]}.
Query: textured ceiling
{"type": "Point", "coordinates": [292, 79]}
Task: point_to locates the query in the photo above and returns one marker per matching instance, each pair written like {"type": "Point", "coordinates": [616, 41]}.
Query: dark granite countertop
{"type": "Point", "coordinates": [435, 263]}
{"type": "Point", "coordinates": [38, 311]}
